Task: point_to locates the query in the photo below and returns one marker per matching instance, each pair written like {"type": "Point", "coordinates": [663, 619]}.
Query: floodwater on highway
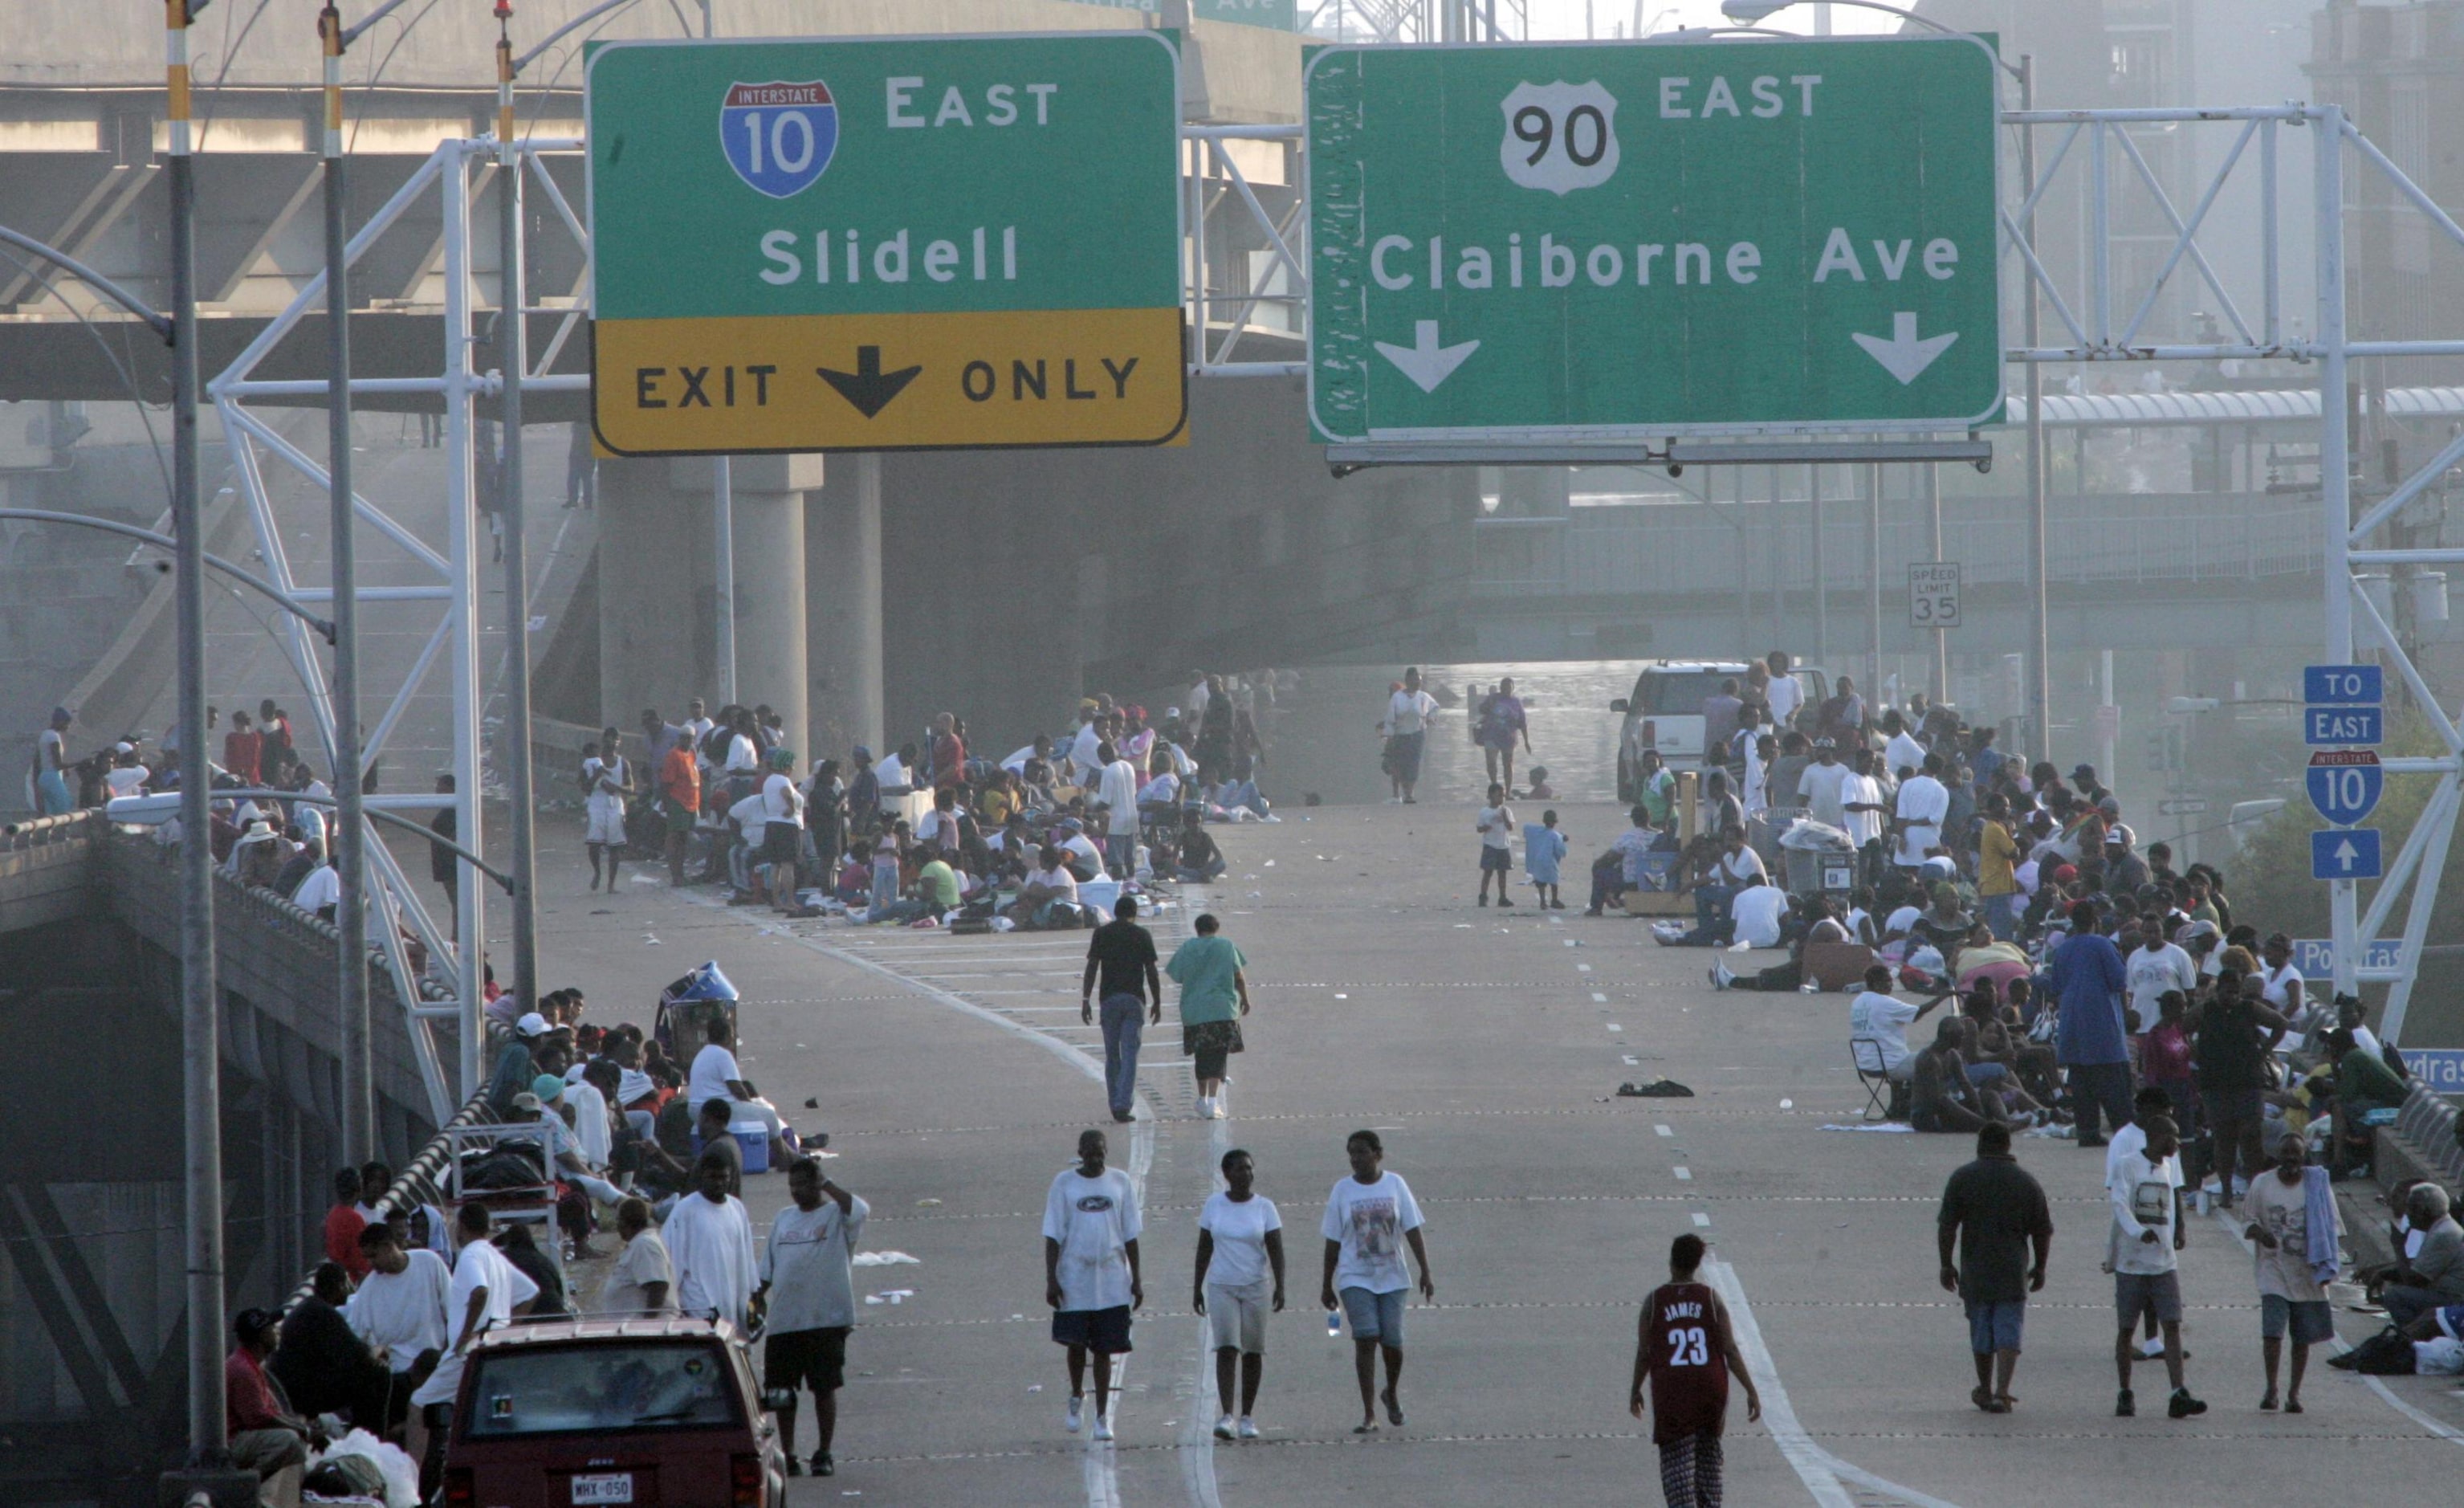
{"type": "Point", "coordinates": [1322, 736]}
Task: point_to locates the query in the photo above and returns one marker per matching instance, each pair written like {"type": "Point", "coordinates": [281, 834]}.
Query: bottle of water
{"type": "Point", "coordinates": [1334, 1324]}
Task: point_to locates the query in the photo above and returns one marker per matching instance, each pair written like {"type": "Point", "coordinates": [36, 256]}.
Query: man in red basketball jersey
{"type": "Point", "coordinates": [1686, 1353]}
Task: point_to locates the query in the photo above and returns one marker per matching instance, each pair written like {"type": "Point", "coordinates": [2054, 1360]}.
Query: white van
{"type": "Point", "coordinates": [1665, 711]}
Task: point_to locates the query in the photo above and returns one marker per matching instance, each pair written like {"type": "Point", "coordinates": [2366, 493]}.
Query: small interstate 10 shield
{"type": "Point", "coordinates": [778, 137]}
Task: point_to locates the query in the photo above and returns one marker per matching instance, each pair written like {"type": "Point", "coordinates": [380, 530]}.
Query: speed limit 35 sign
{"type": "Point", "coordinates": [1933, 594]}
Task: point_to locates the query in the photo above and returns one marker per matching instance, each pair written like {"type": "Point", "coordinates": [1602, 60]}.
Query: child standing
{"type": "Point", "coordinates": [1543, 846]}
{"type": "Point", "coordinates": [1496, 844]}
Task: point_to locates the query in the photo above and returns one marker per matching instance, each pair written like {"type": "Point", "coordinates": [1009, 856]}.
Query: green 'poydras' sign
{"type": "Point", "coordinates": [1568, 242]}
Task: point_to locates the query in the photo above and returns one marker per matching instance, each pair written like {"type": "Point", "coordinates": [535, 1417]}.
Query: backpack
{"type": "Point", "coordinates": [2385, 1354]}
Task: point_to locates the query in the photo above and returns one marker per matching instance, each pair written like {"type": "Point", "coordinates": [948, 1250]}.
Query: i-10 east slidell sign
{"type": "Point", "coordinates": [885, 243]}
{"type": "Point", "coordinates": [1616, 241]}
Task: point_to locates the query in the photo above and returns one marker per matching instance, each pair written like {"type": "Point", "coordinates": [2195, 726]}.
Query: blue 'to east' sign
{"type": "Point", "coordinates": [2345, 685]}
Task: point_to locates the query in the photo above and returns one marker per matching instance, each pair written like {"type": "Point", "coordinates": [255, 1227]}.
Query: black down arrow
{"type": "Point", "coordinates": [869, 387]}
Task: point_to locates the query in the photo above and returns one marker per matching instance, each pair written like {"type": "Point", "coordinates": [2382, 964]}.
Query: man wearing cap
{"type": "Point", "coordinates": [515, 1066]}
{"type": "Point", "coordinates": [679, 791]}
{"type": "Point", "coordinates": [266, 1435]}
{"type": "Point", "coordinates": [546, 1105]}
{"type": "Point", "coordinates": [126, 777]}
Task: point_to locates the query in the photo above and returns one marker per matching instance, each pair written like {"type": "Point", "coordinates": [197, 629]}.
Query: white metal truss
{"type": "Point", "coordinates": [1219, 201]}
{"type": "Point", "coordinates": [2254, 327]}
{"type": "Point", "coordinates": [444, 999]}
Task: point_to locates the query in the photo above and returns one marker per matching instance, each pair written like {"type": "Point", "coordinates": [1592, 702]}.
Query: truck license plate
{"type": "Point", "coordinates": [614, 1487]}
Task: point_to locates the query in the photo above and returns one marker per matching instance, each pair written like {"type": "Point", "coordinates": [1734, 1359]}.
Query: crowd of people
{"type": "Point", "coordinates": [276, 840]}
{"type": "Point", "coordinates": [936, 831]}
{"type": "Point", "coordinates": [601, 1129]}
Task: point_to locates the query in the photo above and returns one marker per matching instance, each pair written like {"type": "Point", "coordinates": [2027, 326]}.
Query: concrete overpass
{"type": "Point", "coordinates": [92, 1327]}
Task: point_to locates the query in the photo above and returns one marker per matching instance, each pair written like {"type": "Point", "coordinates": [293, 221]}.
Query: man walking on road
{"type": "Point", "coordinates": [1687, 1354]}
{"type": "Point", "coordinates": [1369, 1217]}
{"type": "Point", "coordinates": [2295, 1261]}
{"type": "Point", "coordinates": [2148, 1239]}
{"type": "Point", "coordinates": [1091, 1273]}
{"type": "Point", "coordinates": [1122, 956]}
{"type": "Point", "coordinates": [1993, 1210]}
{"type": "Point", "coordinates": [810, 1305]}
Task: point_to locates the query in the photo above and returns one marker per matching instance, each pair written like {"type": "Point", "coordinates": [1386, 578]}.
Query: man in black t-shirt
{"type": "Point", "coordinates": [1995, 1216]}
{"type": "Point", "coordinates": [1122, 954]}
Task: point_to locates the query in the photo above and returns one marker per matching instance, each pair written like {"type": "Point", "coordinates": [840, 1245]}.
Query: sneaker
{"type": "Point", "coordinates": [1206, 1107]}
{"type": "Point", "coordinates": [1220, 1113]}
{"type": "Point", "coordinates": [1224, 1428]}
{"type": "Point", "coordinates": [1484, 897]}
{"type": "Point", "coordinates": [1248, 1428]}
{"type": "Point", "coordinates": [1077, 1408]}
{"type": "Point", "coordinates": [1103, 1425]}
{"type": "Point", "coordinates": [822, 1465]}
{"type": "Point", "coordinates": [1721, 978]}
{"type": "Point", "coordinates": [1506, 901]}
{"type": "Point", "coordinates": [2184, 1406]}
{"type": "Point", "coordinates": [2122, 1407]}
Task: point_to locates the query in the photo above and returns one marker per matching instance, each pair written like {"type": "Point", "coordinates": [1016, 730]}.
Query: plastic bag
{"type": "Point", "coordinates": [398, 1472]}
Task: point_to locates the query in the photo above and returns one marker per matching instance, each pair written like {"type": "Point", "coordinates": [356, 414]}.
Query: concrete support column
{"type": "Point", "coordinates": [654, 582]}
{"type": "Point", "coordinates": [843, 608]}
{"type": "Point", "coordinates": [770, 590]}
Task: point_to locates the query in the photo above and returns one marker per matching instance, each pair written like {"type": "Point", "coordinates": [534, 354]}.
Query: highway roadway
{"type": "Point", "coordinates": [1486, 1047]}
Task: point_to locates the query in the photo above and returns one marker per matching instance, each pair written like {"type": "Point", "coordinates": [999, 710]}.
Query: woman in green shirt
{"type": "Point", "coordinates": [1214, 997]}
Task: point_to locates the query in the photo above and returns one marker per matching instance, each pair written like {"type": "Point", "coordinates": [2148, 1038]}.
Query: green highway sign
{"type": "Point", "coordinates": [885, 243]}
{"type": "Point", "coordinates": [1554, 243]}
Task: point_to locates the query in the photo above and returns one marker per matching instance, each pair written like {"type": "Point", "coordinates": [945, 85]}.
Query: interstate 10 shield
{"type": "Point", "coordinates": [778, 137]}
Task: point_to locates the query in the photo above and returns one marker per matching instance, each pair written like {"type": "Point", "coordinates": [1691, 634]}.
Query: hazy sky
{"type": "Point", "coordinates": [1564, 18]}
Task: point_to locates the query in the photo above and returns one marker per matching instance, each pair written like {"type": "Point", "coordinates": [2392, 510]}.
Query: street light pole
{"type": "Point", "coordinates": [2040, 672]}
{"type": "Point", "coordinates": [512, 353]}
{"type": "Point", "coordinates": [1932, 474]}
{"type": "Point", "coordinates": [358, 1119]}
{"type": "Point", "coordinates": [722, 507]}
{"type": "Point", "coordinates": [199, 1027]}
{"type": "Point", "coordinates": [1874, 581]}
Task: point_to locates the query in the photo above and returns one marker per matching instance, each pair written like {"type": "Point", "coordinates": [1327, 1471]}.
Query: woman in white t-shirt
{"type": "Point", "coordinates": [606, 780]}
{"type": "Point", "coordinates": [1239, 1278]}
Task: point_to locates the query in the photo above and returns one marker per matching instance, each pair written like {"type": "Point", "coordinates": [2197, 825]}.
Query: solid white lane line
{"type": "Point", "coordinates": [1817, 1468]}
